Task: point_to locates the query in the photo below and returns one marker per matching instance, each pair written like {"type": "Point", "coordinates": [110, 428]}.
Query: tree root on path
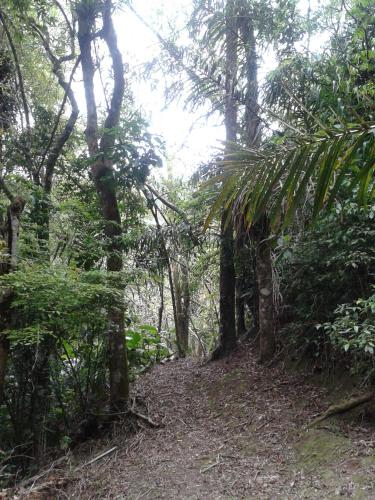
{"type": "Point", "coordinates": [221, 351]}
{"type": "Point", "coordinates": [140, 416]}
{"type": "Point", "coordinates": [343, 407]}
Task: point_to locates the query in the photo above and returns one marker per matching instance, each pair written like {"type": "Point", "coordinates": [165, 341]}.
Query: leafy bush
{"type": "Point", "coordinates": [145, 347]}
{"type": "Point", "coordinates": [354, 326]}
{"type": "Point", "coordinates": [331, 264]}
{"type": "Point", "coordinates": [57, 301]}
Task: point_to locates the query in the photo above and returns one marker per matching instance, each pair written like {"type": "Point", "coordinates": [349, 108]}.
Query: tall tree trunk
{"type": "Point", "coordinates": [251, 134]}
{"type": "Point", "coordinates": [263, 262]}
{"type": "Point", "coordinates": [267, 341]}
{"type": "Point", "coordinates": [41, 379]}
{"type": "Point", "coordinates": [227, 332]}
{"type": "Point", "coordinates": [104, 180]}
{"type": "Point", "coordinates": [10, 236]}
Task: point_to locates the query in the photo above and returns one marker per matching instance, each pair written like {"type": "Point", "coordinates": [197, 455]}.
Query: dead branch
{"type": "Point", "coordinates": [32, 480]}
{"type": "Point", "coordinates": [99, 457]}
{"type": "Point", "coordinates": [168, 204]}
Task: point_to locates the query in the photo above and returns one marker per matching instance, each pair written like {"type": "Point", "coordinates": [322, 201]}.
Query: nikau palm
{"type": "Point", "coordinates": [274, 179]}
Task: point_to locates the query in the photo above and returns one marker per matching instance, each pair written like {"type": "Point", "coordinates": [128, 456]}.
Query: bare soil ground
{"type": "Point", "coordinates": [231, 430]}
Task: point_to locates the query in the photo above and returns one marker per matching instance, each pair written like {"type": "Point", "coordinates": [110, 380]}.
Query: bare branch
{"type": "Point", "coordinates": [70, 26]}
{"type": "Point", "coordinates": [168, 203]}
{"type": "Point", "coordinates": [66, 132]}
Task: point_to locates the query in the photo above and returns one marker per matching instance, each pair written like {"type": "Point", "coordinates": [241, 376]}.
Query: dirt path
{"type": "Point", "coordinates": [233, 430]}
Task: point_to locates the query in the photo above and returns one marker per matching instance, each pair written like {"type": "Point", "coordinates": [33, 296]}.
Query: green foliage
{"type": "Point", "coordinates": [276, 178]}
{"type": "Point", "coordinates": [353, 328]}
{"type": "Point", "coordinates": [57, 300]}
{"type": "Point", "coordinates": [330, 263]}
{"type": "Point", "coordinates": [145, 347]}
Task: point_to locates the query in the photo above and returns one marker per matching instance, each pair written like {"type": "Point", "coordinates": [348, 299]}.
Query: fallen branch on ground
{"type": "Point", "coordinates": [99, 457]}
{"type": "Point", "coordinates": [32, 480]}
{"type": "Point", "coordinates": [343, 407]}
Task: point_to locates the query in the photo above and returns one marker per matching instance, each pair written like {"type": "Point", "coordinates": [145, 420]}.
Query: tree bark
{"type": "Point", "coordinates": [267, 341]}
{"type": "Point", "coordinates": [227, 332]}
{"type": "Point", "coordinates": [251, 134]}
{"type": "Point", "coordinates": [161, 306]}
{"type": "Point", "coordinates": [182, 297]}
{"type": "Point", "coordinates": [10, 236]}
{"type": "Point", "coordinates": [241, 256]}
{"type": "Point", "coordinates": [100, 151]}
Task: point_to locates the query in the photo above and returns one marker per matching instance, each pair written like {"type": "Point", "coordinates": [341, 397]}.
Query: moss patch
{"type": "Point", "coordinates": [319, 448]}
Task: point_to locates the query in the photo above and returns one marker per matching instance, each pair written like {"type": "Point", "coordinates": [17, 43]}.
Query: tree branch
{"type": "Point", "coordinates": [113, 117]}
{"type": "Point", "coordinates": [18, 69]}
{"type": "Point", "coordinates": [6, 190]}
{"type": "Point", "coordinates": [68, 129]}
{"type": "Point", "coordinates": [168, 204]}
{"type": "Point", "coordinates": [66, 132]}
{"type": "Point", "coordinates": [86, 20]}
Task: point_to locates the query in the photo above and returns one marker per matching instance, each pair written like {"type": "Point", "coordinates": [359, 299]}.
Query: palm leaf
{"type": "Point", "coordinates": [274, 178]}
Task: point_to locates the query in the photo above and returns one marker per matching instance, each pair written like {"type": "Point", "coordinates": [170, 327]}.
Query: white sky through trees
{"type": "Point", "coordinates": [189, 137]}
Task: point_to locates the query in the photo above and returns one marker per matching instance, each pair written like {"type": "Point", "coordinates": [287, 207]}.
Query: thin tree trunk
{"type": "Point", "coordinates": [154, 211]}
{"type": "Point", "coordinates": [182, 294]}
{"type": "Point", "coordinates": [40, 398]}
{"type": "Point", "coordinates": [227, 340]}
{"type": "Point", "coordinates": [227, 332]}
{"type": "Point", "coordinates": [161, 306]}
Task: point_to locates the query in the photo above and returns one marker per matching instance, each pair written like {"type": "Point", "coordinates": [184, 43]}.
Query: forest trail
{"type": "Point", "coordinates": [233, 429]}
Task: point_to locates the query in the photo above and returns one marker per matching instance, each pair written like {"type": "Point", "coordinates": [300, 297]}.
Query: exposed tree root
{"type": "Point", "coordinates": [343, 407]}
{"type": "Point", "coordinates": [140, 416]}
{"type": "Point", "coordinates": [221, 351]}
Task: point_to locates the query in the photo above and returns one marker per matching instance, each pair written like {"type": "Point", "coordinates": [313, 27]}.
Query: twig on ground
{"type": "Point", "coordinates": [32, 480]}
{"type": "Point", "coordinates": [99, 457]}
{"type": "Point", "coordinates": [264, 424]}
{"type": "Point", "coordinates": [142, 417]}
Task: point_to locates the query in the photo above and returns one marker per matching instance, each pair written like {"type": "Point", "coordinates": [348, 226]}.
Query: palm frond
{"type": "Point", "coordinates": [274, 178]}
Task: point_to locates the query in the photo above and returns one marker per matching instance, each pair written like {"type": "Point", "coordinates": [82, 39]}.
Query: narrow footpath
{"type": "Point", "coordinates": [232, 430]}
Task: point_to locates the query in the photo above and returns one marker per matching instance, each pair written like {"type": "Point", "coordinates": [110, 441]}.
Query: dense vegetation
{"type": "Point", "coordinates": [108, 267]}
